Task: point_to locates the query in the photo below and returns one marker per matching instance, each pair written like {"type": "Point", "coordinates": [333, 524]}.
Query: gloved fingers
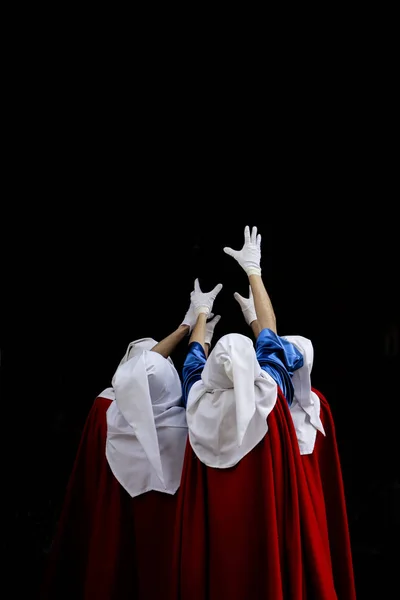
{"type": "Point", "coordinates": [231, 252]}
{"type": "Point", "coordinates": [214, 321]}
{"type": "Point", "coordinates": [254, 235]}
{"type": "Point", "coordinates": [240, 299]}
{"type": "Point", "coordinates": [216, 290]}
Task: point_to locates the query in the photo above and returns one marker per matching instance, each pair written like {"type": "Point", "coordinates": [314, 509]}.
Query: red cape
{"type": "Point", "coordinates": [324, 475]}
{"type": "Point", "coordinates": [274, 526]}
{"type": "Point", "coordinates": [107, 544]}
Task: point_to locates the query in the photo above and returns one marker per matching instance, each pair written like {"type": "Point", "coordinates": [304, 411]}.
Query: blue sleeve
{"type": "Point", "coordinates": [192, 368]}
{"type": "Point", "coordinates": [280, 359]}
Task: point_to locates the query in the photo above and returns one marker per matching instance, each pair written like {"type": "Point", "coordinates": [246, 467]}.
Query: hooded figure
{"type": "Point", "coordinates": [248, 523]}
{"type": "Point", "coordinates": [321, 462]}
{"type": "Point", "coordinates": [116, 528]}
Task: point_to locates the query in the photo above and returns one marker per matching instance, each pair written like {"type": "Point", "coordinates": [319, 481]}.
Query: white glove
{"type": "Point", "coordinates": [210, 326]}
{"type": "Point", "coordinates": [247, 306]}
{"type": "Point", "coordinates": [190, 318]}
{"type": "Point", "coordinates": [203, 302]}
{"type": "Point", "coordinates": [250, 255]}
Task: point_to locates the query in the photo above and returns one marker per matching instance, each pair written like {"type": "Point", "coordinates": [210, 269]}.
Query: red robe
{"type": "Point", "coordinates": [324, 476]}
{"type": "Point", "coordinates": [108, 546]}
{"type": "Point", "coordinates": [272, 527]}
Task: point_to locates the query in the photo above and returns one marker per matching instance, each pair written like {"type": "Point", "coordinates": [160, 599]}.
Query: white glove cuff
{"type": "Point", "coordinates": [249, 316]}
{"type": "Point", "coordinates": [202, 309]}
{"type": "Point", "coordinates": [253, 271]}
{"type": "Point", "coordinates": [208, 338]}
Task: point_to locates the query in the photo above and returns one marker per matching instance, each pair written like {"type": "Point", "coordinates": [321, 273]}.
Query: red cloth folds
{"type": "Point", "coordinates": [272, 527]}
{"type": "Point", "coordinates": [108, 546]}
{"type": "Point", "coordinates": [261, 529]}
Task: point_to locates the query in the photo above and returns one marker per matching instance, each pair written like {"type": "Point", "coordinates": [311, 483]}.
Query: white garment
{"type": "Point", "coordinates": [306, 406]}
{"type": "Point", "coordinates": [227, 409]}
{"type": "Point", "coordinates": [135, 348]}
{"type": "Point", "coordinates": [107, 393]}
{"type": "Point", "coordinates": [146, 424]}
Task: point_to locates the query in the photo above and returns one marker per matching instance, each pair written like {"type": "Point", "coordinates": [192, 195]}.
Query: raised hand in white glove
{"type": "Point", "coordinates": [247, 306]}
{"type": "Point", "coordinates": [190, 318]}
{"type": "Point", "coordinates": [203, 301]}
{"type": "Point", "coordinates": [249, 256]}
{"type": "Point", "coordinates": [210, 326]}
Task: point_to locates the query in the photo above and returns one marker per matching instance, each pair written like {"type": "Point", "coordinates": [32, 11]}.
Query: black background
{"type": "Point", "coordinates": [98, 287]}
{"type": "Point", "coordinates": [126, 188]}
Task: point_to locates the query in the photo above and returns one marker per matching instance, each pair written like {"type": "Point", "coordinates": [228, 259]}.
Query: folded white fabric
{"type": "Point", "coordinates": [227, 409]}
{"type": "Point", "coordinates": [146, 422]}
{"type": "Point", "coordinates": [305, 408]}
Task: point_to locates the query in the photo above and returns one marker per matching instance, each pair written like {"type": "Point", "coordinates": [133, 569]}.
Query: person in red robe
{"type": "Point", "coordinates": [261, 510]}
{"type": "Point", "coordinates": [115, 534]}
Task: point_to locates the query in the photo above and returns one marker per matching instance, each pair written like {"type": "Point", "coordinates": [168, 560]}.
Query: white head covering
{"type": "Point", "coordinates": [305, 408]}
{"type": "Point", "coordinates": [146, 424]}
{"type": "Point", "coordinates": [227, 410]}
{"type": "Point", "coordinates": [135, 348]}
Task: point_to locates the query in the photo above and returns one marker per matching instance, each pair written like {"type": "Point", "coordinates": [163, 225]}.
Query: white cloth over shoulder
{"type": "Point", "coordinates": [306, 406]}
{"type": "Point", "coordinates": [227, 409]}
{"type": "Point", "coordinates": [107, 393]}
{"type": "Point", "coordinates": [146, 422]}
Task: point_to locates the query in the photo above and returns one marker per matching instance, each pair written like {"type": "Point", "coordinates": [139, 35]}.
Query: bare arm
{"type": "Point", "coordinates": [199, 332]}
{"type": "Point", "coordinates": [255, 327]}
{"type": "Point", "coordinates": [168, 344]}
{"type": "Point", "coordinates": [265, 312]}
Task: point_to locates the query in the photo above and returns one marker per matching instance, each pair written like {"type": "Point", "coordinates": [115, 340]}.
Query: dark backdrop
{"type": "Point", "coordinates": [113, 212]}
{"type": "Point", "coordinates": [93, 285]}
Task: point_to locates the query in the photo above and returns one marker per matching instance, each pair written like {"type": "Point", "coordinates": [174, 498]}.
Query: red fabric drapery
{"type": "Point", "coordinates": [272, 527]}
{"type": "Point", "coordinates": [108, 546]}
